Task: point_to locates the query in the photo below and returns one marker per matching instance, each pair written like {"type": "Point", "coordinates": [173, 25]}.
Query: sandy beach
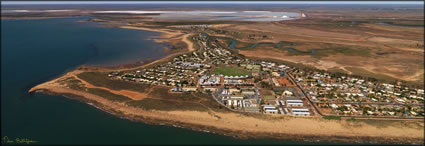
{"type": "Point", "coordinates": [189, 44]}
{"type": "Point", "coordinates": [164, 33]}
{"type": "Point", "coordinates": [239, 125]}
{"type": "Point", "coordinates": [243, 126]}
{"type": "Point", "coordinates": [167, 35]}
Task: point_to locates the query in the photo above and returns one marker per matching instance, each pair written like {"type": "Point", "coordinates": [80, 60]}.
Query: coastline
{"type": "Point", "coordinates": [166, 35]}
{"type": "Point", "coordinates": [321, 130]}
{"type": "Point", "coordinates": [306, 129]}
{"type": "Point", "coordinates": [381, 40]}
{"type": "Point", "coordinates": [185, 119]}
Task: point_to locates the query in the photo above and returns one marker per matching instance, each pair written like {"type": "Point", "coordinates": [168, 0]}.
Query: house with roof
{"type": "Point", "coordinates": [269, 109]}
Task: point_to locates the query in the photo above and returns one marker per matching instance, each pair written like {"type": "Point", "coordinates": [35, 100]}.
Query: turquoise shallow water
{"type": "Point", "coordinates": [35, 51]}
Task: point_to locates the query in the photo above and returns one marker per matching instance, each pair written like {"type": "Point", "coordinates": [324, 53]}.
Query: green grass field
{"type": "Point", "coordinates": [269, 97]}
{"type": "Point", "coordinates": [231, 71]}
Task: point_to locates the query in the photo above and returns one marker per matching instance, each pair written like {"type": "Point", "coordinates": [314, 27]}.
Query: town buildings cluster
{"type": "Point", "coordinates": [275, 88]}
{"type": "Point", "coordinates": [345, 95]}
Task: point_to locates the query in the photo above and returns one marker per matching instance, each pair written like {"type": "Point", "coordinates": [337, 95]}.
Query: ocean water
{"type": "Point", "coordinates": [34, 51]}
{"type": "Point", "coordinates": [101, 45]}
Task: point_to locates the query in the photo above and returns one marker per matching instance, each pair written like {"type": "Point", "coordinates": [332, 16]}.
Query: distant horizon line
{"type": "Point", "coordinates": [208, 2]}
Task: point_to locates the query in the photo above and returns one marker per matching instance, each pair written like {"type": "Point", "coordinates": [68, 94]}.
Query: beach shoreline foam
{"type": "Point", "coordinates": [307, 129]}
{"type": "Point", "coordinates": [180, 119]}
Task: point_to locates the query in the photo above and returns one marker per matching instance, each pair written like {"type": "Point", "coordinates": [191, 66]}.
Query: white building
{"type": "Point", "coordinates": [270, 109]}
{"type": "Point", "coordinates": [292, 103]}
{"type": "Point", "coordinates": [300, 112]}
{"type": "Point", "coordinates": [286, 92]}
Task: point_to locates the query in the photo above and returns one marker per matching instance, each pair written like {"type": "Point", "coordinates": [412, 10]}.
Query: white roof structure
{"type": "Point", "coordinates": [294, 101]}
{"type": "Point", "coordinates": [268, 106]}
{"type": "Point", "coordinates": [299, 110]}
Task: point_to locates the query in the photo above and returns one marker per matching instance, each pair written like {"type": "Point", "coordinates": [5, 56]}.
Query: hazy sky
{"type": "Point", "coordinates": [244, 2]}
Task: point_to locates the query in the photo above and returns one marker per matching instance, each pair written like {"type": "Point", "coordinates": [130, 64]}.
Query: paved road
{"type": "Point", "coordinates": [357, 117]}
{"type": "Point", "coordinates": [311, 102]}
{"type": "Point", "coordinates": [384, 117]}
{"type": "Point", "coordinates": [383, 103]}
{"type": "Point", "coordinates": [213, 96]}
